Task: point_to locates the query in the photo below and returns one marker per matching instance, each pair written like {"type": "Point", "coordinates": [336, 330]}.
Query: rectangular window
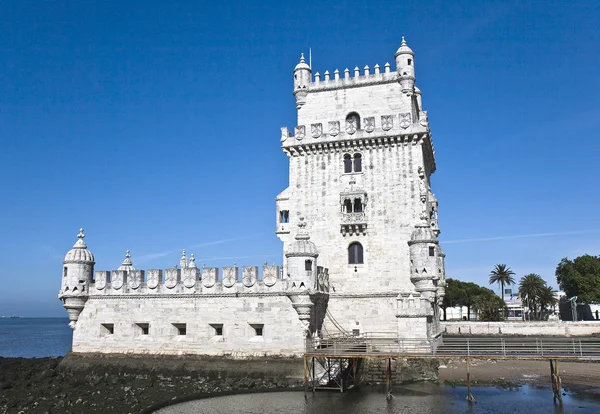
{"type": "Point", "coordinates": [143, 328]}
{"type": "Point", "coordinates": [431, 251]}
{"type": "Point", "coordinates": [108, 328]}
{"type": "Point", "coordinates": [181, 328]}
{"type": "Point", "coordinates": [258, 329]}
{"type": "Point", "coordinates": [409, 62]}
{"type": "Point", "coordinates": [65, 271]}
{"type": "Point", "coordinates": [355, 332]}
{"type": "Point", "coordinates": [217, 329]}
{"type": "Point", "coordinates": [284, 216]}
{"type": "Point", "coordinates": [308, 265]}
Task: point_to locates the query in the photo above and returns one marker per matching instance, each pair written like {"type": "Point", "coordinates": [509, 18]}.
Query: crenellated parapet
{"type": "Point", "coordinates": [353, 78]}
{"type": "Point", "coordinates": [189, 280]}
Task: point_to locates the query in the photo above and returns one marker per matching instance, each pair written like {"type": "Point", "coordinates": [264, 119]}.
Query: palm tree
{"type": "Point", "coordinates": [546, 299]}
{"type": "Point", "coordinates": [502, 275]}
{"type": "Point", "coordinates": [531, 287]}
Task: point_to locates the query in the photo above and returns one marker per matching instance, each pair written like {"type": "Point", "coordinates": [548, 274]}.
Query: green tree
{"type": "Point", "coordinates": [489, 306]}
{"type": "Point", "coordinates": [546, 300]}
{"type": "Point", "coordinates": [454, 295]}
{"type": "Point", "coordinates": [580, 277]}
{"type": "Point", "coordinates": [530, 289]}
{"type": "Point", "coordinates": [502, 275]}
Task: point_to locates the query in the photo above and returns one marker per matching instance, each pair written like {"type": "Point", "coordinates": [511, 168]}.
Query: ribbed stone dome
{"type": "Point", "coordinates": [423, 233]}
{"type": "Point", "coordinates": [127, 265]}
{"type": "Point", "coordinates": [403, 49]}
{"type": "Point", "coordinates": [302, 246]}
{"type": "Point", "coordinates": [302, 64]}
{"type": "Point", "coordinates": [79, 253]}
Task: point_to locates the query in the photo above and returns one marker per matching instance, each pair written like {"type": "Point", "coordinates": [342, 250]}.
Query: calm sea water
{"type": "Point", "coordinates": [414, 399]}
{"type": "Point", "coordinates": [34, 337]}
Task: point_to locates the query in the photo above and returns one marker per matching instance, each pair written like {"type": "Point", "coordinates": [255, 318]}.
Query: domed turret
{"type": "Point", "coordinates": [302, 77]}
{"type": "Point", "coordinates": [405, 66]}
{"type": "Point", "coordinates": [424, 259]}
{"type": "Point", "coordinates": [302, 258]}
{"type": "Point", "coordinates": [127, 265]}
{"type": "Point", "coordinates": [78, 271]}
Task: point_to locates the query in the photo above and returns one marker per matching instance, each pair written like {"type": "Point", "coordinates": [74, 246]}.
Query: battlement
{"type": "Point", "coordinates": [352, 79]}
{"type": "Point", "coordinates": [188, 280]}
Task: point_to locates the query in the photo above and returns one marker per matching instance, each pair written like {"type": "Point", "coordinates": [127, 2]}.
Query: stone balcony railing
{"type": "Point", "coordinates": [354, 223]}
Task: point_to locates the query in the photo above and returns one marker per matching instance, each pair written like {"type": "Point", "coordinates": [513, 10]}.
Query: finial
{"type": "Point", "coordinates": [266, 263]}
{"type": "Point", "coordinates": [192, 260]}
{"type": "Point", "coordinates": [128, 254]}
{"type": "Point", "coordinates": [301, 223]}
{"type": "Point", "coordinates": [403, 42]}
{"type": "Point", "coordinates": [81, 235]}
{"type": "Point", "coordinates": [302, 57]}
{"type": "Point", "coordinates": [183, 253]}
{"type": "Point", "coordinates": [234, 264]}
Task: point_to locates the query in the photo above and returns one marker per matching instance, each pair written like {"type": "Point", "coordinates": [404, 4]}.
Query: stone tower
{"type": "Point", "coordinates": [361, 158]}
{"type": "Point", "coordinates": [78, 271]}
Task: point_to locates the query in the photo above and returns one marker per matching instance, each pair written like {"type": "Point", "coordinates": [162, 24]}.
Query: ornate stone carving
{"type": "Point", "coordinates": [153, 278]}
{"type": "Point", "coordinates": [285, 133]}
{"type": "Point", "coordinates": [423, 120]}
{"type": "Point", "coordinates": [249, 275]}
{"type": "Point", "coordinates": [316, 130]}
{"type": "Point", "coordinates": [387, 122]}
{"type": "Point", "coordinates": [134, 279]}
{"type": "Point", "coordinates": [351, 125]}
{"type": "Point", "coordinates": [209, 276]}
{"type": "Point", "coordinates": [229, 276]}
{"type": "Point", "coordinates": [190, 276]}
{"type": "Point", "coordinates": [101, 278]}
{"type": "Point", "coordinates": [300, 132]}
{"type": "Point", "coordinates": [172, 278]}
{"type": "Point", "coordinates": [270, 274]}
{"type": "Point", "coordinates": [405, 120]}
{"type": "Point", "coordinates": [118, 279]}
{"type": "Point", "coordinates": [354, 217]}
{"type": "Point", "coordinates": [369, 124]}
{"type": "Point", "coordinates": [334, 128]}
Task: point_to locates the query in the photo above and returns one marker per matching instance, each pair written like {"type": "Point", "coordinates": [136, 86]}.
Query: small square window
{"type": "Point", "coordinates": [181, 328]}
{"type": "Point", "coordinates": [258, 329]}
{"type": "Point", "coordinates": [143, 328]}
{"type": "Point", "coordinates": [218, 328]}
{"type": "Point", "coordinates": [356, 332]}
{"type": "Point", "coordinates": [431, 251]}
{"type": "Point", "coordinates": [108, 328]}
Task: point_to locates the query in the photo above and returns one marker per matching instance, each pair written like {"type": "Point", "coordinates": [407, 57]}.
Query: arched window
{"type": "Point", "coordinates": [347, 163]}
{"type": "Point", "coordinates": [357, 205]}
{"type": "Point", "coordinates": [355, 253]}
{"type": "Point", "coordinates": [347, 206]}
{"type": "Point", "coordinates": [308, 265]}
{"type": "Point", "coordinates": [353, 119]}
{"type": "Point", "coordinates": [357, 162]}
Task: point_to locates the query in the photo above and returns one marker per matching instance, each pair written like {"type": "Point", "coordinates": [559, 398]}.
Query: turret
{"type": "Point", "coordinates": [425, 262]}
{"type": "Point", "coordinates": [302, 77]}
{"type": "Point", "coordinates": [405, 66]}
{"type": "Point", "coordinates": [302, 259]}
{"type": "Point", "coordinates": [77, 274]}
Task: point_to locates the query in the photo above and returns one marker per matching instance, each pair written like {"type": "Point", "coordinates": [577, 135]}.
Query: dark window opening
{"type": "Point", "coordinates": [347, 163]}
{"type": "Point", "coordinates": [144, 328]}
{"type": "Point", "coordinates": [355, 253]}
{"type": "Point", "coordinates": [355, 118]}
{"type": "Point", "coordinates": [358, 205]}
{"type": "Point", "coordinates": [409, 62]}
{"type": "Point", "coordinates": [355, 332]}
{"type": "Point", "coordinates": [181, 328]}
{"type": "Point", "coordinates": [109, 328]}
{"type": "Point", "coordinates": [218, 327]}
{"type": "Point", "coordinates": [65, 271]}
{"type": "Point", "coordinates": [357, 163]}
{"type": "Point", "coordinates": [347, 206]}
{"type": "Point", "coordinates": [258, 329]}
{"type": "Point", "coordinates": [431, 251]}
{"type": "Point", "coordinates": [284, 216]}
{"type": "Point", "coordinates": [308, 265]}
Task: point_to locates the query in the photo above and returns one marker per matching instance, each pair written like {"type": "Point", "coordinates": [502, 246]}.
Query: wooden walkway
{"type": "Point", "coordinates": [333, 363]}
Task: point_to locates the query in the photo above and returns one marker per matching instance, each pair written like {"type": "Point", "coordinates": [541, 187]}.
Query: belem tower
{"type": "Point", "coordinates": [359, 228]}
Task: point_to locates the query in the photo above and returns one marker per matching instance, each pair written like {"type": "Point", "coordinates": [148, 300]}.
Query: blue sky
{"type": "Point", "coordinates": [155, 125]}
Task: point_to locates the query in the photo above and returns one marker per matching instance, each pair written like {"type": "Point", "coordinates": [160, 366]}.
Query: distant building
{"type": "Point", "coordinates": [359, 226]}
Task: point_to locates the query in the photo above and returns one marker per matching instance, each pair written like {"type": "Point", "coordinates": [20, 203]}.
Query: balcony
{"type": "Point", "coordinates": [354, 223]}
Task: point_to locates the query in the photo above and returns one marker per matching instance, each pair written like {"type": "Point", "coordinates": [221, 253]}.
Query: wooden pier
{"type": "Point", "coordinates": [334, 363]}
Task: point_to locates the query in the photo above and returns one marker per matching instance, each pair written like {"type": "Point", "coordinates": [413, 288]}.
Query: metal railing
{"type": "Point", "coordinates": [382, 344]}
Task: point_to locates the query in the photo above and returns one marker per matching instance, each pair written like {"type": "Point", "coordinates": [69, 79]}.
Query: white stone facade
{"type": "Point", "coordinates": [359, 229]}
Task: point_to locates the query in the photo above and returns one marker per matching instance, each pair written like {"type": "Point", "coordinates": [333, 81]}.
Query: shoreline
{"type": "Point", "coordinates": [47, 385]}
